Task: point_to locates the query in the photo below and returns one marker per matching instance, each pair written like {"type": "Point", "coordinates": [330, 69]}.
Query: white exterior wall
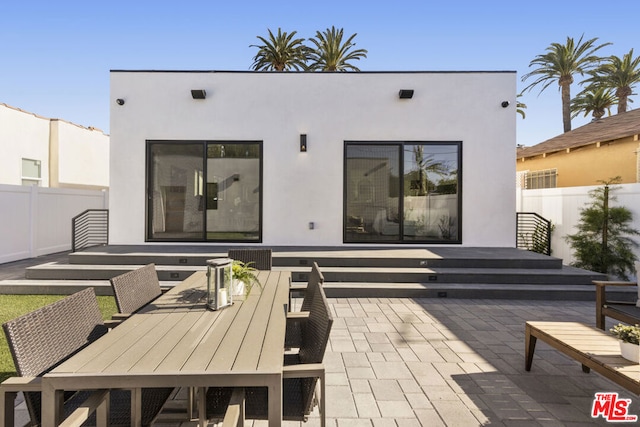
{"type": "Point", "coordinates": [83, 156]}
{"type": "Point", "coordinates": [562, 207]}
{"type": "Point", "coordinates": [22, 135]}
{"type": "Point", "coordinates": [330, 108]}
{"type": "Point", "coordinates": [70, 155]}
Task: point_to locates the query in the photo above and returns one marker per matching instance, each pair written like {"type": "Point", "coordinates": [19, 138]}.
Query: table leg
{"type": "Point", "coordinates": [529, 347]}
{"type": "Point", "coordinates": [202, 406]}
{"type": "Point", "coordinates": [275, 403]}
{"type": "Point", "coordinates": [136, 407]}
{"type": "Point", "coordinates": [52, 405]}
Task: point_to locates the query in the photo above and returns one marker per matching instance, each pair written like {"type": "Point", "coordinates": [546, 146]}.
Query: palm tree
{"type": "Point", "coordinates": [520, 106]}
{"type": "Point", "coordinates": [560, 64]}
{"type": "Point", "coordinates": [280, 53]}
{"type": "Point", "coordinates": [330, 54]}
{"type": "Point", "coordinates": [619, 74]}
{"type": "Point", "coordinates": [595, 100]}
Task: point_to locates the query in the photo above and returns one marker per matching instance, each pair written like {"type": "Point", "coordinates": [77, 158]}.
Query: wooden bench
{"type": "Point", "coordinates": [620, 310]}
{"type": "Point", "coordinates": [592, 347]}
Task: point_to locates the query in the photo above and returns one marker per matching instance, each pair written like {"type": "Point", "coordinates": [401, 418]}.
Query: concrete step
{"type": "Point", "coordinates": [326, 257]}
{"type": "Point", "coordinates": [60, 271]}
{"type": "Point", "coordinates": [363, 290]}
{"type": "Point", "coordinates": [565, 275]}
{"type": "Point", "coordinates": [60, 287]}
{"type": "Point", "coordinates": [461, 290]}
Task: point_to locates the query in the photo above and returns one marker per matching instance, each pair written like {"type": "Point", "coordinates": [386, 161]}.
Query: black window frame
{"type": "Point", "coordinates": [402, 241]}
{"type": "Point", "coordinates": [205, 143]}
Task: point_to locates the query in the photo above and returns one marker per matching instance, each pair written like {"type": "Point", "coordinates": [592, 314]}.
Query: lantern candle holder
{"type": "Point", "coordinates": [219, 280]}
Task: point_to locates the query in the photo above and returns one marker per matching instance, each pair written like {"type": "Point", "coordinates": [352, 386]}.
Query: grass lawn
{"type": "Point", "coordinates": [12, 306]}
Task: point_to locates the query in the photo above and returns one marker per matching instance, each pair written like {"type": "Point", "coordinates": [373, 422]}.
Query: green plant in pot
{"type": "Point", "coordinates": [629, 337]}
{"type": "Point", "coordinates": [244, 277]}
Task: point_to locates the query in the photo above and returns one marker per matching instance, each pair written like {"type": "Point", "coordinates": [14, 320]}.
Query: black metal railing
{"type": "Point", "coordinates": [90, 228]}
{"type": "Point", "coordinates": [533, 232]}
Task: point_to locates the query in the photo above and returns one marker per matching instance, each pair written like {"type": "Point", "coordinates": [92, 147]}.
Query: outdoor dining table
{"type": "Point", "coordinates": [176, 341]}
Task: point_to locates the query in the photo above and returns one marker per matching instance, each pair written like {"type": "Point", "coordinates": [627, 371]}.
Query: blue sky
{"type": "Point", "coordinates": [55, 57]}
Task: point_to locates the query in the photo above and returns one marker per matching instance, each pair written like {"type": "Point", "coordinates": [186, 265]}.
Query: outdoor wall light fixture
{"type": "Point", "coordinates": [120, 101]}
{"type": "Point", "coordinates": [198, 93]}
{"type": "Point", "coordinates": [303, 142]}
{"type": "Point", "coordinates": [405, 94]}
{"type": "Point", "coordinates": [505, 104]}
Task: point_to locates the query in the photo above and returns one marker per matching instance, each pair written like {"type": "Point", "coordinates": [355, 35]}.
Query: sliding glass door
{"type": "Point", "coordinates": [204, 191]}
{"type": "Point", "coordinates": [402, 192]}
{"type": "Point", "coordinates": [233, 192]}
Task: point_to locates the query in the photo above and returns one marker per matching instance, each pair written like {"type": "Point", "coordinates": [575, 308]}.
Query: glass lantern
{"type": "Point", "coordinates": [219, 272]}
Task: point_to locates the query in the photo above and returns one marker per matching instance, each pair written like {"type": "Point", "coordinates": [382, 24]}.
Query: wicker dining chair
{"type": "Point", "coordinates": [296, 320]}
{"type": "Point", "coordinates": [301, 373]}
{"type": "Point", "coordinates": [260, 258]}
{"type": "Point", "coordinates": [44, 338]}
{"type": "Point", "coordinates": [135, 289]}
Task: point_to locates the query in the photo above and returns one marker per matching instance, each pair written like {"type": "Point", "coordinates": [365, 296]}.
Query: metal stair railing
{"type": "Point", "coordinates": [533, 232]}
{"type": "Point", "coordinates": [90, 228]}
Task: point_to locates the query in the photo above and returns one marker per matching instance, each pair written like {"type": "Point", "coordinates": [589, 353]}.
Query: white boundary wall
{"type": "Point", "coordinates": [562, 207]}
{"type": "Point", "coordinates": [36, 221]}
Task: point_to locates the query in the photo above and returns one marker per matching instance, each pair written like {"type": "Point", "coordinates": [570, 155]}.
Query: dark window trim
{"type": "Point", "coordinates": [148, 209]}
{"type": "Point", "coordinates": [401, 144]}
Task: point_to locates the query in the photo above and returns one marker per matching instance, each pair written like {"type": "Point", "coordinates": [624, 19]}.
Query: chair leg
{"type": "Point", "coordinates": [7, 403]}
{"type": "Point", "coordinates": [191, 396]}
{"type": "Point", "coordinates": [321, 407]}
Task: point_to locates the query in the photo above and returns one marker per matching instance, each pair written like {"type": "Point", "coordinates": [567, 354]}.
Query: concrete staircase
{"type": "Point", "coordinates": [453, 272]}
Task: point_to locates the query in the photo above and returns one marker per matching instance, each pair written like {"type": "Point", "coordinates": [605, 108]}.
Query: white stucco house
{"type": "Point", "coordinates": [313, 159]}
{"type": "Point", "coordinates": [50, 152]}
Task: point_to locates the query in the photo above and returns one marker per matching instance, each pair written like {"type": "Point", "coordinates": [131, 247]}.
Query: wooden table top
{"type": "Point", "coordinates": [176, 336]}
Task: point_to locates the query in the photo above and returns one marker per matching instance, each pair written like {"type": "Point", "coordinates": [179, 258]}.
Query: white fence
{"type": "Point", "coordinates": [36, 221]}
{"type": "Point", "coordinates": [562, 207]}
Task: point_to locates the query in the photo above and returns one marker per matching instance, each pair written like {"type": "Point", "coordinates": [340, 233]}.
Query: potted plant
{"type": "Point", "coordinates": [244, 276]}
{"type": "Point", "coordinates": [629, 337]}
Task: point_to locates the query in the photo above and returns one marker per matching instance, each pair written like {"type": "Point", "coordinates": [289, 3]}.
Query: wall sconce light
{"type": "Point", "coordinates": [120, 101]}
{"type": "Point", "coordinates": [505, 104]}
{"type": "Point", "coordinates": [198, 93]}
{"type": "Point", "coordinates": [405, 94]}
{"type": "Point", "coordinates": [303, 142]}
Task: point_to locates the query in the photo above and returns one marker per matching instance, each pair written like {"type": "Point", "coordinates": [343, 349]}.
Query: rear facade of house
{"type": "Point", "coordinates": [312, 159]}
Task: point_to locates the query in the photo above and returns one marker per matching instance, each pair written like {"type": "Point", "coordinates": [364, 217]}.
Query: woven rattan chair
{"type": "Point", "coordinates": [135, 289]}
{"type": "Point", "coordinates": [296, 320]}
{"type": "Point", "coordinates": [260, 259]}
{"type": "Point", "coordinates": [301, 373]}
{"type": "Point", "coordinates": [42, 339]}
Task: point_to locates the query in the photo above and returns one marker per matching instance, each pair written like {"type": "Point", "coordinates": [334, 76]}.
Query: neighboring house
{"type": "Point", "coordinates": [313, 159]}
{"type": "Point", "coordinates": [51, 152]}
{"type": "Point", "coordinates": [595, 152]}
